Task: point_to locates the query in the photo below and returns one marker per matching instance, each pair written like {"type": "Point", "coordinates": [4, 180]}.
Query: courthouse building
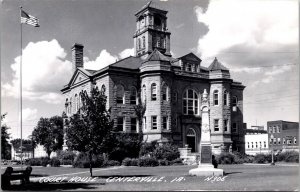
{"type": "Point", "coordinates": [171, 87]}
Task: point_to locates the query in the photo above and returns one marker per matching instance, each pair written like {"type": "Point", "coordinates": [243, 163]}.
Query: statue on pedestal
{"type": "Point", "coordinates": [205, 166]}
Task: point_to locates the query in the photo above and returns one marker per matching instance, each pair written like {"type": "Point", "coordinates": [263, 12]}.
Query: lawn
{"type": "Point", "coordinates": [237, 177]}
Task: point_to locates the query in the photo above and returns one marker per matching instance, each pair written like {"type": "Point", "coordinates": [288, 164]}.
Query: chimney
{"type": "Point", "coordinates": [77, 56]}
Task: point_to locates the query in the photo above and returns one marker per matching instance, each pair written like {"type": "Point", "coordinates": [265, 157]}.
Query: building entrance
{"type": "Point", "coordinates": [191, 139]}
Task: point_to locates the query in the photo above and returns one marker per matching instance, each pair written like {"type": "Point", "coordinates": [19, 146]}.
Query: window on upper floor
{"type": "Point", "coordinates": [144, 93]}
{"type": "Point", "coordinates": [265, 144]}
{"type": "Point", "coordinates": [283, 140]}
{"type": "Point", "coordinates": [278, 129]}
{"type": "Point", "coordinates": [165, 92]}
{"type": "Point", "coordinates": [174, 99]}
{"type": "Point", "coordinates": [278, 140]}
{"type": "Point", "coordinates": [76, 103]}
{"type": "Point", "coordinates": [234, 103]}
{"type": "Point", "coordinates": [133, 96]}
{"type": "Point", "coordinates": [225, 97]}
{"type": "Point", "coordinates": [144, 42]}
{"type": "Point", "coordinates": [274, 129]}
{"type": "Point", "coordinates": [216, 97]}
{"type": "Point", "coordinates": [225, 125]}
{"type": "Point", "coordinates": [120, 94]}
{"type": "Point", "coordinates": [190, 102]}
{"type": "Point", "coordinates": [252, 146]}
{"type": "Point", "coordinates": [103, 89]}
{"type": "Point", "coordinates": [153, 92]}
{"type": "Point", "coordinates": [256, 146]}
{"type": "Point", "coordinates": [154, 122]}
{"type": "Point", "coordinates": [234, 127]}
{"type": "Point", "coordinates": [165, 122]}
{"type": "Point", "coordinates": [216, 125]}
{"type": "Point", "coordinates": [270, 129]}
{"type": "Point", "coordinates": [189, 67]}
{"type": "Point", "coordinates": [295, 140]}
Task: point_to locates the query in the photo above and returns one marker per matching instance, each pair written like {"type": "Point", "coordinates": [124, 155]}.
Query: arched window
{"type": "Point", "coordinates": [216, 97]}
{"type": "Point", "coordinates": [139, 43]}
{"type": "Point", "coordinates": [144, 93]}
{"type": "Point", "coordinates": [67, 106]}
{"type": "Point", "coordinates": [144, 42]}
{"type": "Point", "coordinates": [120, 94]}
{"type": "Point", "coordinates": [153, 92]}
{"type": "Point", "coordinates": [157, 21]}
{"type": "Point", "coordinates": [70, 108]}
{"type": "Point", "coordinates": [190, 102]}
{"type": "Point", "coordinates": [76, 102]}
{"type": "Point", "coordinates": [225, 98]}
{"type": "Point", "coordinates": [158, 41]}
{"type": "Point", "coordinates": [165, 92]}
{"type": "Point", "coordinates": [133, 96]}
{"type": "Point", "coordinates": [103, 89]}
{"type": "Point", "coordinates": [234, 103]}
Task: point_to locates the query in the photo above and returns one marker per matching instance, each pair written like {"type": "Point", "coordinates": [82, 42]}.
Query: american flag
{"type": "Point", "coordinates": [28, 19]}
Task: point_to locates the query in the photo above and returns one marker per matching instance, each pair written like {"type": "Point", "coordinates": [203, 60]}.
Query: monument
{"type": "Point", "coordinates": [205, 167]}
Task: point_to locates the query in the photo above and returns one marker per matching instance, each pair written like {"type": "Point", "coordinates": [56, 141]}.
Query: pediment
{"type": "Point", "coordinates": [78, 77]}
{"type": "Point", "coordinates": [191, 57]}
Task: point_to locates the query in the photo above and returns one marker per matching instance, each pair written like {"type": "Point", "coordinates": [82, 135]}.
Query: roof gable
{"type": "Point", "coordinates": [216, 65]}
{"type": "Point", "coordinates": [79, 75]}
{"type": "Point", "coordinates": [156, 55]}
{"type": "Point", "coordinates": [191, 57]}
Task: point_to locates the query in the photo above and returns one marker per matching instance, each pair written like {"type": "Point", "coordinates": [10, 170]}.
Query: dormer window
{"type": "Point", "coordinates": [189, 67]}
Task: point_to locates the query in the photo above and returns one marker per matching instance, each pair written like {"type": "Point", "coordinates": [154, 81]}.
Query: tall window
{"type": "Point", "coordinates": [216, 97]}
{"type": "Point", "coordinates": [216, 125]}
{"type": "Point", "coordinates": [248, 145]}
{"type": "Point", "coordinates": [103, 89]}
{"type": "Point", "coordinates": [144, 93]}
{"type": "Point", "coordinates": [154, 122]}
{"type": "Point", "coordinates": [67, 106]}
{"type": "Point", "coordinates": [139, 43]}
{"type": "Point", "coordinates": [188, 67]}
{"type": "Point", "coordinates": [133, 99]}
{"type": "Point", "coordinates": [234, 103]}
{"type": "Point", "coordinates": [226, 125]}
{"type": "Point", "coordinates": [278, 129]}
{"type": "Point", "coordinates": [283, 141]}
{"type": "Point", "coordinates": [234, 127]}
{"type": "Point", "coordinates": [76, 103]}
{"type": "Point", "coordinates": [144, 42]}
{"type": "Point", "coordinates": [120, 123]}
{"type": "Point", "coordinates": [133, 124]}
{"type": "Point", "coordinates": [270, 129]}
{"type": "Point", "coordinates": [153, 92]}
{"type": "Point", "coordinates": [144, 123]}
{"type": "Point", "coordinates": [274, 129]}
{"type": "Point", "coordinates": [164, 93]}
{"type": "Point", "coordinates": [256, 146]}
{"type": "Point", "coordinates": [165, 122]}
{"type": "Point", "coordinates": [225, 98]}
{"type": "Point", "coordinates": [252, 145]}
{"type": "Point", "coordinates": [70, 109]}
{"type": "Point", "coordinates": [278, 139]}
{"type": "Point", "coordinates": [265, 144]}
{"type": "Point", "coordinates": [120, 94]}
{"type": "Point", "coordinates": [295, 140]}
{"type": "Point", "coordinates": [190, 102]}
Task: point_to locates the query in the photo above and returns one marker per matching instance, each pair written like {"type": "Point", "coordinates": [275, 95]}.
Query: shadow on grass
{"type": "Point", "coordinates": [38, 175]}
{"type": "Point", "coordinates": [107, 176]}
{"type": "Point", "coordinates": [36, 186]}
{"type": "Point", "coordinates": [229, 173]}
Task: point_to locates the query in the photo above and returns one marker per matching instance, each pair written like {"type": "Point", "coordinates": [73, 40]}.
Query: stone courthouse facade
{"type": "Point", "coordinates": [172, 89]}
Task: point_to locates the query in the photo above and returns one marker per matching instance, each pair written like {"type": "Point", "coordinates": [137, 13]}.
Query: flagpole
{"type": "Point", "coordinates": [21, 92]}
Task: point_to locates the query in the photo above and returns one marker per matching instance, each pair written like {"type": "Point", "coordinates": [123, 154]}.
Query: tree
{"type": "Point", "coordinates": [89, 129]}
{"type": "Point", "coordinates": [49, 133]}
{"type": "Point", "coordinates": [5, 147]}
{"type": "Point", "coordinates": [140, 112]}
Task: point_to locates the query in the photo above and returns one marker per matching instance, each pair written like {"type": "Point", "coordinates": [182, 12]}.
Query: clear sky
{"type": "Point", "coordinates": [256, 39]}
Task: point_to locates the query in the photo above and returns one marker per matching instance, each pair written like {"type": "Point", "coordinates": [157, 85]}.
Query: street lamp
{"type": "Point", "coordinates": [272, 163]}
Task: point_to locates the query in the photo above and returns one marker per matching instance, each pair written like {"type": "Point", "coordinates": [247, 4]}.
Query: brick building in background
{"type": "Point", "coordinates": [172, 89]}
{"type": "Point", "coordinates": [285, 135]}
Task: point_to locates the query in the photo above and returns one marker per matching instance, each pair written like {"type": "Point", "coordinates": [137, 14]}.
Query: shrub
{"type": "Point", "coordinates": [125, 145]}
{"type": "Point", "coordinates": [166, 151]}
{"type": "Point", "coordinates": [130, 162]}
{"type": "Point", "coordinates": [288, 156]}
{"type": "Point", "coordinates": [163, 162]}
{"type": "Point", "coordinates": [147, 149]}
{"type": "Point", "coordinates": [45, 161]}
{"type": "Point", "coordinates": [148, 162]}
{"type": "Point", "coordinates": [34, 162]}
{"type": "Point", "coordinates": [111, 163]}
{"type": "Point", "coordinates": [177, 161]}
{"type": "Point", "coordinates": [55, 162]}
{"type": "Point", "coordinates": [225, 158]}
{"type": "Point", "coordinates": [66, 157]}
{"type": "Point", "coordinates": [263, 158]}
{"type": "Point", "coordinates": [82, 161]}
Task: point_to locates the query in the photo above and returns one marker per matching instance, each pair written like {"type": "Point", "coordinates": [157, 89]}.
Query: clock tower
{"type": "Point", "coordinates": [151, 31]}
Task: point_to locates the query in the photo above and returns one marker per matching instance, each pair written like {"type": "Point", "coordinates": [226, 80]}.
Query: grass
{"type": "Point", "coordinates": [238, 177]}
